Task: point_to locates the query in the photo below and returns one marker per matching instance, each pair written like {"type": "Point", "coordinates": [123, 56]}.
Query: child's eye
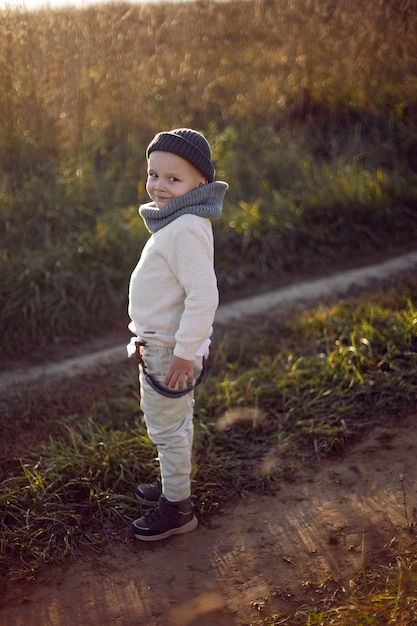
{"type": "Point", "coordinates": [173, 179]}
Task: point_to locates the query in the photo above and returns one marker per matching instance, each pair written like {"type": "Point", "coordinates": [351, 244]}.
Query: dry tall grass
{"type": "Point", "coordinates": [103, 77]}
{"type": "Point", "coordinates": [310, 106]}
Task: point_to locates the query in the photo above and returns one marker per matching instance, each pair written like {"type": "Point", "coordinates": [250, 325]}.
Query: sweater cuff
{"type": "Point", "coordinates": [183, 352]}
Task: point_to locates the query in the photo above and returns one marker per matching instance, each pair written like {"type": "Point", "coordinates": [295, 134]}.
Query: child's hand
{"type": "Point", "coordinates": [180, 372]}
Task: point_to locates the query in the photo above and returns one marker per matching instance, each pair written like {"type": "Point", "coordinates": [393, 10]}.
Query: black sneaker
{"type": "Point", "coordinates": [149, 493]}
{"type": "Point", "coordinates": [166, 519]}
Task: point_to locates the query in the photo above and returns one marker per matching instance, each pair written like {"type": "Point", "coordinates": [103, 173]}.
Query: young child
{"type": "Point", "coordinates": [173, 298]}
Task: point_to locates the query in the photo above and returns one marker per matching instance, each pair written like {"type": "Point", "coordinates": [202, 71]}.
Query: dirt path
{"type": "Point", "coordinates": [277, 300]}
{"type": "Point", "coordinates": [266, 555]}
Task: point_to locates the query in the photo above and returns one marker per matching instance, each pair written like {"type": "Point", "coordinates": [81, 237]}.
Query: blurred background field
{"type": "Point", "coordinates": [310, 107]}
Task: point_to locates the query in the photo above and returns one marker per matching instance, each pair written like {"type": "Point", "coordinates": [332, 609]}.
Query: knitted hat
{"type": "Point", "coordinates": [188, 144]}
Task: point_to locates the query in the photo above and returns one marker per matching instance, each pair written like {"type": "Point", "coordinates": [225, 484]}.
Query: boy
{"type": "Point", "coordinates": [173, 298]}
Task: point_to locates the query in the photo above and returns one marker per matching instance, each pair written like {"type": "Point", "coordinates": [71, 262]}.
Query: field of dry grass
{"type": "Point", "coordinates": [310, 107]}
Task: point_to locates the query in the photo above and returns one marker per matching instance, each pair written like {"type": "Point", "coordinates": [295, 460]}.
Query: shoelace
{"type": "Point", "coordinates": [153, 514]}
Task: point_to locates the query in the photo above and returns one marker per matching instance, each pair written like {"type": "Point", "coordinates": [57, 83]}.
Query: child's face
{"type": "Point", "coordinates": [170, 176]}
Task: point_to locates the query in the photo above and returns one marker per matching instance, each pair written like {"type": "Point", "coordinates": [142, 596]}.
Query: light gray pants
{"type": "Point", "coordinates": [170, 424]}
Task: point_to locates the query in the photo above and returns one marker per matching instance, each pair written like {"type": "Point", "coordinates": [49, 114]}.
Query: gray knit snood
{"type": "Point", "coordinates": [204, 201]}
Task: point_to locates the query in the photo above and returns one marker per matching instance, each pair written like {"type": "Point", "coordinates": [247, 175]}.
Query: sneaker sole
{"type": "Point", "coordinates": [181, 530]}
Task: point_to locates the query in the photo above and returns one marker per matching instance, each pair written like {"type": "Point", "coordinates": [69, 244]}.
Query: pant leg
{"type": "Point", "coordinates": [170, 425]}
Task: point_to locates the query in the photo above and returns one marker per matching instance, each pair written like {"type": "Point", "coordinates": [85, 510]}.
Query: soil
{"type": "Point", "coordinates": [262, 556]}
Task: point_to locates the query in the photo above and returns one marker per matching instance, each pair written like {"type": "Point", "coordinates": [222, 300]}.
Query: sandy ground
{"type": "Point", "coordinates": [265, 555]}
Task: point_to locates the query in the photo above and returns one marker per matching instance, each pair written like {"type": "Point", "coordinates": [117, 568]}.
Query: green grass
{"type": "Point", "coordinates": [302, 385]}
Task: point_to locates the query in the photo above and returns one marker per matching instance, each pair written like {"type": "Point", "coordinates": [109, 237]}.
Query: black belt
{"type": "Point", "coordinates": [162, 389]}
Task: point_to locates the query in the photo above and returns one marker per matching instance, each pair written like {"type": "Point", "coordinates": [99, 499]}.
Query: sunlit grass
{"type": "Point", "coordinates": [383, 597]}
{"type": "Point", "coordinates": [310, 108]}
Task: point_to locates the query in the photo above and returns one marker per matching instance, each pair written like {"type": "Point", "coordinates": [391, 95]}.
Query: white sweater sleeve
{"type": "Point", "coordinates": [192, 262]}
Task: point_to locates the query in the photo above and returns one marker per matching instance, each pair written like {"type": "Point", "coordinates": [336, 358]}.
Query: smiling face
{"type": "Point", "coordinates": [170, 176]}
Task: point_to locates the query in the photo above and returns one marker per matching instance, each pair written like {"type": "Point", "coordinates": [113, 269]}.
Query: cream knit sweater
{"type": "Point", "coordinates": [173, 292]}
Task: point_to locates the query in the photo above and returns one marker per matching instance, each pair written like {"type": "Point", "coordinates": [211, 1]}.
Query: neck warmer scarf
{"type": "Point", "coordinates": [204, 201]}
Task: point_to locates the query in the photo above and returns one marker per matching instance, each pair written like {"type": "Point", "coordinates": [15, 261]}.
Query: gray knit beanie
{"type": "Point", "coordinates": [188, 144]}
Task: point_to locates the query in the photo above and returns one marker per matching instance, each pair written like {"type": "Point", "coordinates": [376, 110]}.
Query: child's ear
{"type": "Point", "coordinates": [204, 181]}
